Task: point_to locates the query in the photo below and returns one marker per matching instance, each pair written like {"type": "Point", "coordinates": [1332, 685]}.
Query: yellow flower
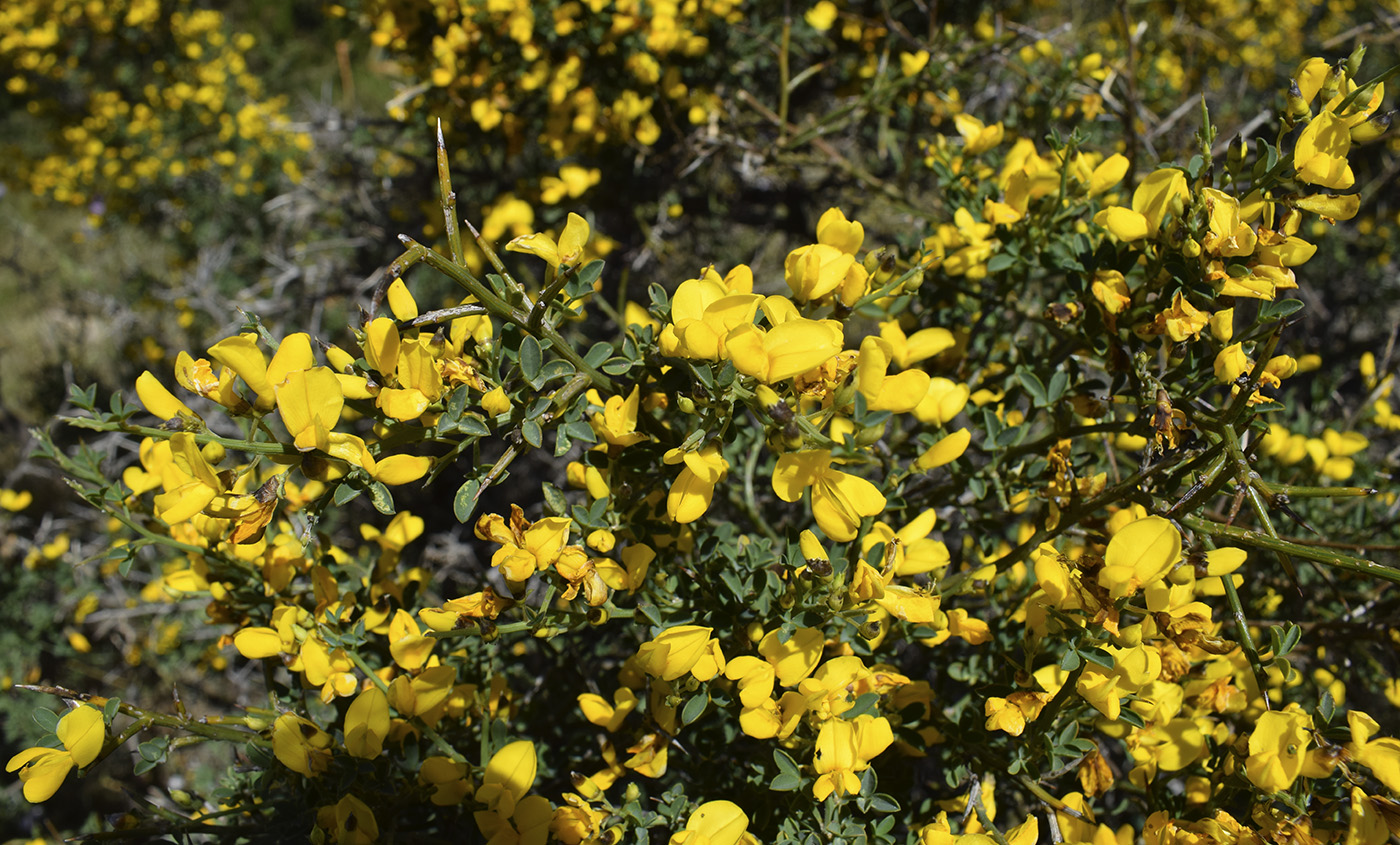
{"type": "Point", "coordinates": [703, 312]}
{"type": "Point", "coordinates": [1011, 714]}
{"type": "Point", "coordinates": [15, 500]}
{"type": "Point", "coordinates": [1181, 321]}
{"type": "Point", "coordinates": [367, 723]}
{"type": "Point", "coordinates": [1381, 756]}
{"type": "Point", "coordinates": [242, 355]}
{"type": "Point", "coordinates": [82, 731]}
{"type": "Point", "coordinates": [617, 424]}
{"type": "Point", "coordinates": [160, 401]}
{"type": "Point", "coordinates": [821, 16]}
{"type": "Point", "coordinates": [713, 823]}
{"type": "Point", "coordinates": [944, 400]}
{"type": "Point", "coordinates": [845, 748]}
{"type": "Point", "coordinates": [915, 552]}
{"type": "Point", "coordinates": [1123, 223]}
{"type": "Point", "coordinates": [1320, 156]}
{"type": "Point", "coordinates": [839, 500]}
{"type": "Point", "coordinates": [1228, 236]}
{"type": "Point", "coordinates": [525, 547]}
{"type": "Point", "coordinates": [1276, 748]}
{"type": "Point", "coordinates": [350, 822]}
{"type": "Point", "coordinates": [693, 490]}
{"type": "Point", "coordinates": [607, 716]}
{"type": "Point", "coordinates": [789, 349]}
{"type": "Point", "coordinates": [447, 777]}
{"type": "Point", "coordinates": [1109, 173]}
{"type": "Point", "coordinates": [911, 349]}
{"type": "Point", "coordinates": [1231, 363]}
{"type": "Point", "coordinates": [945, 451]}
{"type": "Point", "coordinates": [835, 230]}
{"type": "Point", "coordinates": [680, 650]}
{"type": "Point", "coordinates": [817, 270]}
{"type": "Point", "coordinates": [911, 63]}
{"type": "Point", "coordinates": [977, 136]}
{"type": "Point", "coordinates": [901, 392]}
{"type": "Point", "coordinates": [300, 745]}
{"type": "Point", "coordinates": [567, 251]}
{"type": "Point", "coordinates": [310, 402]}
{"type": "Point", "coordinates": [1163, 192]}
{"type": "Point", "coordinates": [1139, 554]}
{"type": "Point", "coordinates": [511, 814]}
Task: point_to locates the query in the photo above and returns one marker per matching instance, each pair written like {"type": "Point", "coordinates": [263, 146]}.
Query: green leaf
{"type": "Point", "coordinates": [694, 708]}
{"type": "Point", "coordinates": [616, 366]}
{"type": "Point", "coordinates": [1284, 638]}
{"type": "Point", "coordinates": [473, 425]}
{"type": "Point", "coordinates": [736, 586]}
{"type": "Point", "coordinates": [789, 775]}
{"type": "Point", "coordinates": [1034, 386]}
{"type": "Point", "coordinates": [579, 430]}
{"type": "Point", "coordinates": [1058, 382]}
{"type": "Point", "coordinates": [530, 430]}
{"type": "Point", "coordinates": [456, 404]}
{"type": "Point", "coordinates": [555, 369]}
{"type": "Point", "coordinates": [465, 501]}
{"type": "Point", "coordinates": [531, 357]}
{"type": "Point", "coordinates": [344, 493]}
{"type": "Point", "coordinates": [46, 719]}
{"type": "Point", "coordinates": [598, 353]}
{"type": "Point", "coordinates": [1327, 707]}
{"type": "Point", "coordinates": [590, 272]}
{"type": "Point", "coordinates": [1098, 656]}
{"type": "Point", "coordinates": [111, 709]}
{"type": "Point", "coordinates": [1279, 309]}
{"type": "Point", "coordinates": [999, 262]}
{"type": "Point", "coordinates": [381, 499]}
{"type": "Point", "coordinates": [865, 703]}
{"type": "Point", "coordinates": [554, 499]}
{"type": "Point", "coordinates": [154, 750]}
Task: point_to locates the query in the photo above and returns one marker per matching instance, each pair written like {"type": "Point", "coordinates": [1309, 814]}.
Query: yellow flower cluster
{"type": "Point", "coordinates": [145, 120]}
{"type": "Point", "coordinates": [520, 67]}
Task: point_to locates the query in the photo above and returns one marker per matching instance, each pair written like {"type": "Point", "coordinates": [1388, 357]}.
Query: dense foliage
{"type": "Point", "coordinates": [1016, 492]}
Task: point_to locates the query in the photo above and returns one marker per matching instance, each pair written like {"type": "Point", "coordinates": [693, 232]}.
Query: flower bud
{"type": "Point", "coordinates": [495, 402]}
{"type": "Point", "coordinates": [1371, 128]}
{"type": "Point", "coordinates": [1234, 156]}
{"type": "Point", "coordinates": [1353, 64]}
{"type": "Point", "coordinates": [214, 453]}
{"type": "Point", "coordinates": [1297, 109]}
{"type": "Point", "coordinates": [1231, 363]}
{"type": "Point", "coordinates": [1336, 75]}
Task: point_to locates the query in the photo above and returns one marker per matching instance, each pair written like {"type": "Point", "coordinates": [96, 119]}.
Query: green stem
{"type": "Point", "coordinates": [252, 447]}
{"type": "Point", "coordinates": [162, 720]}
{"type": "Point", "coordinates": [505, 311]}
{"type": "Point", "coordinates": [1253, 539]}
{"type": "Point", "coordinates": [449, 199]}
{"type": "Point", "coordinates": [1246, 641]}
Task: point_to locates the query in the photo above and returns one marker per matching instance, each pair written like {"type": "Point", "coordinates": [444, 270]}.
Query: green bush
{"type": "Point", "coordinates": [1025, 501]}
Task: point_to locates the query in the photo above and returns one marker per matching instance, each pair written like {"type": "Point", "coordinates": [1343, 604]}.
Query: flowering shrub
{"type": "Point", "coordinates": [197, 114]}
{"type": "Point", "coordinates": [1000, 535]}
